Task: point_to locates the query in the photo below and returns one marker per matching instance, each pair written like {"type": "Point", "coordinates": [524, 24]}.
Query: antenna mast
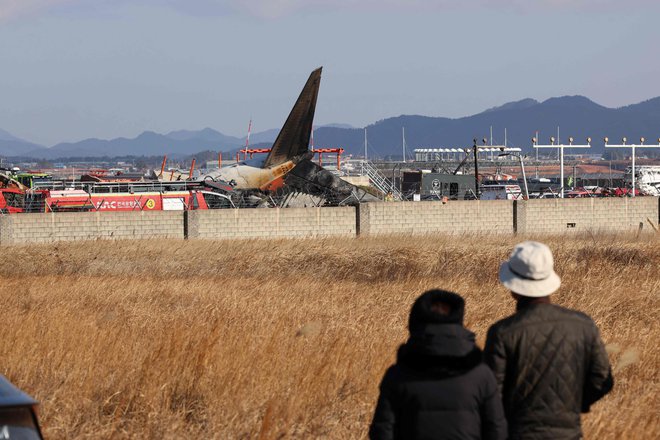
{"type": "Point", "coordinates": [247, 139]}
{"type": "Point", "coordinates": [403, 143]}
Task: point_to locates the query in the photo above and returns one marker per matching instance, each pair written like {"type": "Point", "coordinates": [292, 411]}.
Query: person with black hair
{"type": "Point", "coordinates": [439, 388]}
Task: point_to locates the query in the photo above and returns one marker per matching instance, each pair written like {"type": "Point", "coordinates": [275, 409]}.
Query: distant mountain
{"type": "Point", "coordinates": [516, 105]}
{"type": "Point", "coordinates": [178, 143]}
{"type": "Point", "coordinates": [18, 148]}
{"type": "Point", "coordinates": [266, 136]}
{"type": "Point", "coordinates": [7, 136]}
{"type": "Point", "coordinates": [576, 116]}
{"type": "Point", "coordinates": [206, 134]}
{"type": "Point", "coordinates": [336, 125]}
{"type": "Point", "coordinates": [269, 136]}
{"type": "Point", "coordinates": [11, 145]}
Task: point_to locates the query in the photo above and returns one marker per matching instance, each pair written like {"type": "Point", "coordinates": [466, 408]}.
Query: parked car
{"type": "Point", "coordinates": [18, 418]}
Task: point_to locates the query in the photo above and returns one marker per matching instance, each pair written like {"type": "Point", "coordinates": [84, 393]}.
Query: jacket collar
{"type": "Point", "coordinates": [526, 302]}
{"type": "Point", "coordinates": [445, 349]}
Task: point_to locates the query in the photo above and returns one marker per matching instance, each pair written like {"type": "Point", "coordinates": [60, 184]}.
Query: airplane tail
{"type": "Point", "coordinates": [293, 139]}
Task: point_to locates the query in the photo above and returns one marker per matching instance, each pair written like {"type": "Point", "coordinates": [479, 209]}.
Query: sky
{"type": "Point", "coordinates": [74, 69]}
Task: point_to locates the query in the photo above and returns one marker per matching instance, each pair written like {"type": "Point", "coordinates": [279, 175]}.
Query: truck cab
{"type": "Point", "coordinates": [12, 200]}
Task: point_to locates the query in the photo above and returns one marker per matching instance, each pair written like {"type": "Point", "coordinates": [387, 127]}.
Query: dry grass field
{"type": "Point", "coordinates": [286, 339]}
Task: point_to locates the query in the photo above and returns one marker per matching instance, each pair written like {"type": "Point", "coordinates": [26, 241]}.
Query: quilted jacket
{"type": "Point", "coordinates": [550, 365]}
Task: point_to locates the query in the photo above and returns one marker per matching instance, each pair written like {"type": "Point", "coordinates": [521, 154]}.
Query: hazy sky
{"type": "Point", "coordinates": [71, 69]}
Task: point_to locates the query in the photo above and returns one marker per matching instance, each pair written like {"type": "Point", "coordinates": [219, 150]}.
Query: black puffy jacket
{"type": "Point", "coordinates": [550, 365]}
{"type": "Point", "coordinates": [439, 388]}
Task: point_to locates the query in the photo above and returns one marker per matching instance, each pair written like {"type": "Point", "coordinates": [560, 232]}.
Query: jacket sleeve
{"type": "Point", "coordinates": [383, 424]}
{"type": "Point", "coordinates": [598, 380]}
{"type": "Point", "coordinates": [493, 421]}
{"type": "Point", "coordinates": [495, 357]}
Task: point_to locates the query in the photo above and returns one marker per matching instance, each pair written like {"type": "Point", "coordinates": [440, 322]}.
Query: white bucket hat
{"type": "Point", "coordinates": [530, 270]}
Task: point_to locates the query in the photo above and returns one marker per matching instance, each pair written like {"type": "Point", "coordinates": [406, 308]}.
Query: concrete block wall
{"type": "Point", "coordinates": [547, 216]}
{"type": "Point", "coordinates": [272, 223]}
{"type": "Point", "coordinates": [69, 226]}
{"type": "Point", "coordinates": [556, 216]}
{"type": "Point", "coordinates": [419, 218]}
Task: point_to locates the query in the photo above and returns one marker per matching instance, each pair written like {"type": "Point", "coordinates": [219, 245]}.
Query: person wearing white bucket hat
{"type": "Point", "coordinates": [549, 361]}
{"type": "Point", "coordinates": [530, 271]}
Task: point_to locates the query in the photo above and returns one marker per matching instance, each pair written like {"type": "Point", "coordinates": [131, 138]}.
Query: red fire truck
{"type": "Point", "coordinates": [80, 200]}
{"type": "Point", "coordinates": [113, 195]}
{"type": "Point", "coordinates": [12, 200]}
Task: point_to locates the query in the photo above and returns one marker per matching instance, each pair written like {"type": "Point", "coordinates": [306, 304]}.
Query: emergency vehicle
{"type": "Point", "coordinates": [80, 200]}
{"type": "Point", "coordinates": [12, 200]}
{"type": "Point", "coordinates": [123, 196]}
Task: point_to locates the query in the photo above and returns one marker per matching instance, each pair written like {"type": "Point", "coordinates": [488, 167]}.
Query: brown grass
{"type": "Point", "coordinates": [272, 339]}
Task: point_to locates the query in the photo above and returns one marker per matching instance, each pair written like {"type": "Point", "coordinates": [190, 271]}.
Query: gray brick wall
{"type": "Point", "coordinates": [272, 223]}
{"type": "Point", "coordinates": [372, 219]}
{"type": "Point", "coordinates": [553, 216]}
{"type": "Point", "coordinates": [419, 218]}
{"type": "Point", "coordinates": [70, 226]}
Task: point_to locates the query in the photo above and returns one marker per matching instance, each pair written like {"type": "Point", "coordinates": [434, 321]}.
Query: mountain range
{"type": "Point", "coordinates": [11, 146]}
{"type": "Point", "coordinates": [575, 116]}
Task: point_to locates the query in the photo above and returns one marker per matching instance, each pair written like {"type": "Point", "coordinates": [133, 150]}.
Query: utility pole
{"type": "Point", "coordinates": [403, 144]}
{"type": "Point", "coordinates": [522, 168]}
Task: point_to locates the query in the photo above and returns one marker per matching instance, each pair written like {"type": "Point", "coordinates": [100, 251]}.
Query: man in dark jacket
{"type": "Point", "coordinates": [549, 361]}
{"type": "Point", "coordinates": [439, 388]}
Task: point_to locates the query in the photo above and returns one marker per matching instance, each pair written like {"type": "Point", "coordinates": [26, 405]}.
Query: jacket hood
{"type": "Point", "coordinates": [441, 349]}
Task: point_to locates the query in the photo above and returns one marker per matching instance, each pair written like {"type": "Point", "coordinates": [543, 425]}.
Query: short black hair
{"type": "Point", "coordinates": [421, 313]}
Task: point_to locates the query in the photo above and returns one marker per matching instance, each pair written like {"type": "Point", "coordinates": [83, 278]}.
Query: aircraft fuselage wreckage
{"type": "Point", "coordinates": [288, 167]}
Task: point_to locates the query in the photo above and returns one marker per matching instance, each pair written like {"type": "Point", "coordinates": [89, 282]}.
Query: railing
{"type": "Point", "coordinates": [382, 183]}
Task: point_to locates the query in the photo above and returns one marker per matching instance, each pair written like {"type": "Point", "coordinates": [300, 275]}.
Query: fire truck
{"type": "Point", "coordinates": [12, 200]}
{"type": "Point", "coordinates": [80, 200]}
{"type": "Point", "coordinates": [124, 196]}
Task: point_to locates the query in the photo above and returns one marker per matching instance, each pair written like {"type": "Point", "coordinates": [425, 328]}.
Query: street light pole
{"type": "Point", "coordinates": [475, 150]}
{"type": "Point", "coordinates": [561, 148]}
{"type": "Point", "coordinates": [632, 147]}
{"type": "Point", "coordinates": [561, 171]}
{"type": "Point", "coordinates": [522, 168]}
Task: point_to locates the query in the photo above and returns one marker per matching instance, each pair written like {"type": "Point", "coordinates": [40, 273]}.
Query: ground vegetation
{"type": "Point", "coordinates": [287, 339]}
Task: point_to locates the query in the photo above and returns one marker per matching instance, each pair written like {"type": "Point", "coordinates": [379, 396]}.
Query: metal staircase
{"type": "Point", "coordinates": [382, 183]}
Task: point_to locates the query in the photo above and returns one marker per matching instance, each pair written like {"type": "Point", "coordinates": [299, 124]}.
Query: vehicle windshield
{"type": "Point", "coordinates": [15, 200]}
{"type": "Point", "coordinates": [217, 201]}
